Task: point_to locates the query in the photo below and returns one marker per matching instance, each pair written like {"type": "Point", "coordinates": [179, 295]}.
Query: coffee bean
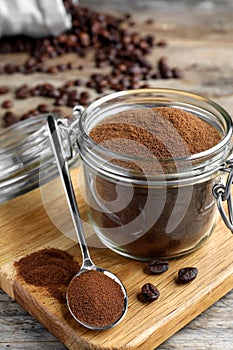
{"type": "Point", "coordinates": [43, 108]}
{"type": "Point", "coordinates": [29, 114]}
{"type": "Point", "coordinates": [30, 63]}
{"type": "Point", "coordinates": [69, 83]}
{"type": "Point", "coordinates": [149, 21]}
{"type": "Point", "coordinates": [62, 67]}
{"type": "Point", "coordinates": [23, 92]}
{"type": "Point", "coordinates": [71, 40]}
{"type": "Point", "coordinates": [44, 69]}
{"type": "Point", "coordinates": [52, 70]}
{"type": "Point", "coordinates": [77, 82]}
{"type": "Point", "coordinates": [164, 68]}
{"type": "Point", "coordinates": [132, 23]}
{"type": "Point", "coordinates": [4, 90]}
{"type": "Point", "coordinates": [156, 267]}
{"type": "Point", "coordinates": [54, 92]}
{"type": "Point", "coordinates": [162, 43]}
{"type": "Point", "coordinates": [84, 98]}
{"type": "Point", "coordinates": [84, 39]}
{"type": "Point", "coordinates": [9, 68]}
{"type": "Point", "coordinates": [187, 274]}
{"type": "Point", "coordinates": [70, 65]}
{"type": "Point", "coordinates": [56, 110]}
{"type": "Point", "coordinates": [7, 104]}
{"type": "Point", "coordinates": [62, 99]}
{"type": "Point", "coordinates": [9, 118]}
{"type": "Point", "coordinates": [150, 292]}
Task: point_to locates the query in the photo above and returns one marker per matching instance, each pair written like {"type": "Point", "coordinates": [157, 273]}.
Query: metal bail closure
{"type": "Point", "coordinates": [67, 132]}
{"type": "Point", "coordinates": [223, 193]}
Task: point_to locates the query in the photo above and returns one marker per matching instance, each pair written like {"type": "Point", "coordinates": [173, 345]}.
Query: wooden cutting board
{"type": "Point", "coordinates": [26, 226]}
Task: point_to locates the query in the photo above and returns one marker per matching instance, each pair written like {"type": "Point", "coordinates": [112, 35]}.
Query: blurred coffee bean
{"type": "Point", "coordinates": [9, 118]}
{"type": "Point", "coordinates": [7, 104]}
{"type": "Point", "coordinates": [4, 90]}
{"type": "Point", "coordinates": [23, 92]}
{"type": "Point", "coordinates": [110, 41]}
{"type": "Point", "coordinates": [43, 108]}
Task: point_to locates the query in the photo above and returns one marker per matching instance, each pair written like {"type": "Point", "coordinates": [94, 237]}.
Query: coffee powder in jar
{"type": "Point", "coordinates": [163, 132]}
{"type": "Point", "coordinates": [150, 160]}
{"type": "Point", "coordinates": [95, 299]}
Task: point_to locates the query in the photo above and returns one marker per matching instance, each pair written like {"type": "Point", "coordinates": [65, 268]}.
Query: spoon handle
{"type": "Point", "coordinates": [68, 187]}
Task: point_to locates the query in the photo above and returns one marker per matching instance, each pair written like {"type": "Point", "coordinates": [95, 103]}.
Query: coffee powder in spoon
{"type": "Point", "coordinates": [95, 299]}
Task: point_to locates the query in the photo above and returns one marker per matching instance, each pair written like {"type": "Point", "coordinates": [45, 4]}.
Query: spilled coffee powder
{"type": "Point", "coordinates": [49, 268]}
{"type": "Point", "coordinates": [95, 299]}
{"type": "Point", "coordinates": [158, 221]}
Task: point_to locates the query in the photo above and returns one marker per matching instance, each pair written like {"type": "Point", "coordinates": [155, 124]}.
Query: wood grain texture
{"type": "Point", "coordinates": [213, 329]}
{"type": "Point", "coordinates": [146, 325]}
{"type": "Point", "coordinates": [199, 35]}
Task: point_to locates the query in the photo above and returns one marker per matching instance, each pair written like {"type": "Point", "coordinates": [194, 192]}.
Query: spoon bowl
{"type": "Point", "coordinates": [87, 264]}
{"type": "Point", "coordinates": [114, 278]}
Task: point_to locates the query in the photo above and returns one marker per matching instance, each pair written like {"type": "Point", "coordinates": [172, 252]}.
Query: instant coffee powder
{"type": "Point", "coordinates": [50, 268]}
{"type": "Point", "coordinates": [150, 160]}
{"type": "Point", "coordinates": [95, 299]}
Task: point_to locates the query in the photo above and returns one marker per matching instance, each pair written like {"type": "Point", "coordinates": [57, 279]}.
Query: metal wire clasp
{"type": "Point", "coordinates": [223, 193]}
{"type": "Point", "coordinates": [69, 131]}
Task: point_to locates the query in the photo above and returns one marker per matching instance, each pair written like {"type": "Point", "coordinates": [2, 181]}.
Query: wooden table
{"type": "Point", "coordinates": [199, 34]}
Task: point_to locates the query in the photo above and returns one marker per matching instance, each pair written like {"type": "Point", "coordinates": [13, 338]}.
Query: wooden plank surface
{"type": "Point", "coordinates": [211, 330]}
{"type": "Point", "coordinates": [200, 41]}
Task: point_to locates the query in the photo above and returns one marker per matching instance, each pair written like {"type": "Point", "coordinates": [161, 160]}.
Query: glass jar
{"type": "Point", "coordinates": [26, 158]}
{"type": "Point", "coordinates": [168, 211]}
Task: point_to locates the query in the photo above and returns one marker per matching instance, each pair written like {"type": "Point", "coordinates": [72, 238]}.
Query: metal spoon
{"type": "Point", "coordinates": [87, 263]}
